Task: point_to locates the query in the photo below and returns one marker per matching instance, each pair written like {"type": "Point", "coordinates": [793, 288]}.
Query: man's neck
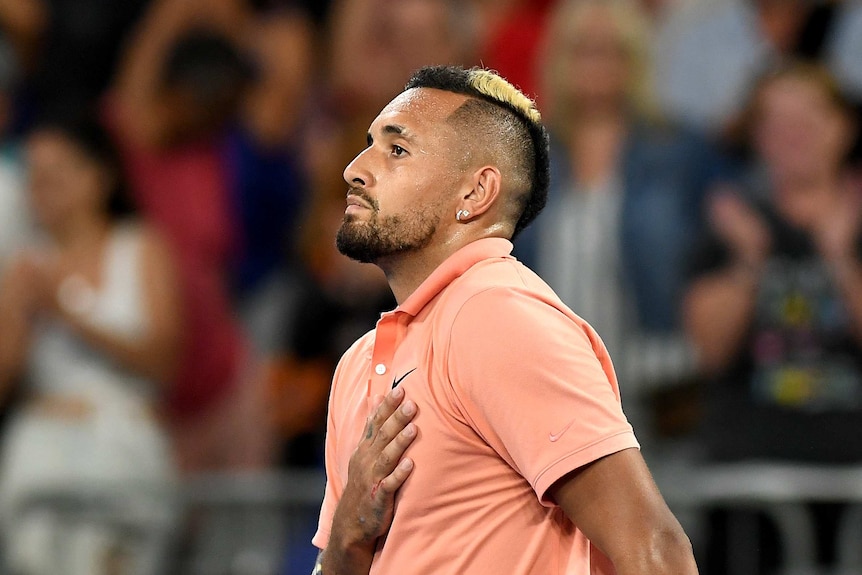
{"type": "Point", "coordinates": [406, 272]}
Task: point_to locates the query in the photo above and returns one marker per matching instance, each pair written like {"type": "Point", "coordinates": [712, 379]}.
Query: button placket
{"type": "Point", "coordinates": [384, 350]}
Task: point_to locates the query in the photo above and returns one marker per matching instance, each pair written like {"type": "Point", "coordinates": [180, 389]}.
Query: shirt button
{"type": "Point", "coordinates": [380, 369]}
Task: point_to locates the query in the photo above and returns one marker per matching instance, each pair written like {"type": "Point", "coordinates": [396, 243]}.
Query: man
{"type": "Point", "coordinates": [500, 446]}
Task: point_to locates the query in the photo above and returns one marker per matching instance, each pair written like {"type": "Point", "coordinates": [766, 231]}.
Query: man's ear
{"type": "Point", "coordinates": [483, 191]}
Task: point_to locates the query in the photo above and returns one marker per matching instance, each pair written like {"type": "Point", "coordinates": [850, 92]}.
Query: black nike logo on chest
{"type": "Point", "coordinates": [395, 382]}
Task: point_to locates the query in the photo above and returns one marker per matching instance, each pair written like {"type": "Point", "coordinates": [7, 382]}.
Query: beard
{"type": "Point", "coordinates": [377, 238]}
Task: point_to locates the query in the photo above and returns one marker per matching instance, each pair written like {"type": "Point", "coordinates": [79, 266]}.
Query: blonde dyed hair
{"type": "Point", "coordinates": [634, 34]}
{"type": "Point", "coordinates": [494, 86]}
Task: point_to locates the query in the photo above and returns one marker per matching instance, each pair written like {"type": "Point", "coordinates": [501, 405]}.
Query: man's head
{"type": "Point", "coordinates": [455, 141]}
{"type": "Point", "coordinates": [203, 79]}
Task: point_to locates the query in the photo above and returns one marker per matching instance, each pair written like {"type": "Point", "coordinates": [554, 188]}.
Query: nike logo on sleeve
{"type": "Point", "coordinates": [555, 436]}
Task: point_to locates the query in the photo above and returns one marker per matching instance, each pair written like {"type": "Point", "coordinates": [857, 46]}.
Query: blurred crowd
{"type": "Point", "coordinates": [172, 302]}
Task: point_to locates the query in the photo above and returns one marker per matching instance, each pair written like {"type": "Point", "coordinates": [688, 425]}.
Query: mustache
{"type": "Point", "coordinates": [363, 195]}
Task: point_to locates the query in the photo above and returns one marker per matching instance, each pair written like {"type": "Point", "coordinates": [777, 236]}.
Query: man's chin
{"type": "Point", "coordinates": [350, 243]}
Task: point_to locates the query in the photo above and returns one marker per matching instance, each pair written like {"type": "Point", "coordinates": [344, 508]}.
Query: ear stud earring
{"type": "Point", "coordinates": [462, 214]}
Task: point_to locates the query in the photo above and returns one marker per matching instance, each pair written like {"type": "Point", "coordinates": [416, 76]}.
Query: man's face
{"type": "Point", "coordinates": [405, 182]}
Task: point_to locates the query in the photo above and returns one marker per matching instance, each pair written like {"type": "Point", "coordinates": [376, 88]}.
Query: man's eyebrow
{"type": "Point", "coordinates": [392, 129]}
{"type": "Point", "coordinates": [396, 129]}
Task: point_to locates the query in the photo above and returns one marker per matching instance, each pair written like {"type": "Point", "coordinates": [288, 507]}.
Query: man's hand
{"type": "Point", "coordinates": [377, 470]}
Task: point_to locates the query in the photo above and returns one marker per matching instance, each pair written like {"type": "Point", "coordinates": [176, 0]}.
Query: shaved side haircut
{"type": "Point", "coordinates": [506, 124]}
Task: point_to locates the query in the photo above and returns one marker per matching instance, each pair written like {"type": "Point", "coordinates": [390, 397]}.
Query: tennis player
{"type": "Point", "coordinates": [478, 429]}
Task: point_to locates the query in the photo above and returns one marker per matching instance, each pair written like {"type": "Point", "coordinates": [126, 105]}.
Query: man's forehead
{"type": "Point", "coordinates": [421, 105]}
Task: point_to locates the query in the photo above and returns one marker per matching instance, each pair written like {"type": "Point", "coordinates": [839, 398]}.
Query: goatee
{"type": "Point", "coordinates": [357, 240]}
{"type": "Point", "coordinates": [369, 241]}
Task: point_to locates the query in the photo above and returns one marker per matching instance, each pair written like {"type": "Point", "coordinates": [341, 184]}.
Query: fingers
{"type": "Point", "coordinates": [393, 451]}
{"type": "Point", "coordinates": [389, 433]}
{"type": "Point", "coordinates": [393, 482]}
{"type": "Point", "coordinates": [395, 424]}
{"type": "Point", "coordinates": [383, 408]}
{"type": "Point", "coordinates": [390, 418]}
{"type": "Point", "coordinates": [370, 423]}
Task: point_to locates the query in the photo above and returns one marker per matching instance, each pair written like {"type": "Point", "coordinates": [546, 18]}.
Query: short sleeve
{"type": "Point", "coordinates": [331, 496]}
{"type": "Point", "coordinates": [332, 493]}
{"type": "Point", "coordinates": [536, 382]}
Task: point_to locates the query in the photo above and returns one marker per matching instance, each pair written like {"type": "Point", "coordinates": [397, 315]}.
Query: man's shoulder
{"type": "Point", "coordinates": [498, 272]}
{"type": "Point", "coordinates": [504, 288]}
{"type": "Point", "coordinates": [500, 276]}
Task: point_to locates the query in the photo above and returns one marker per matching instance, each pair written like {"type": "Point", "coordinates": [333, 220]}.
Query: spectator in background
{"type": "Point", "coordinates": [269, 182]}
{"type": "Point", "coordinates": [775, 303]}
{"type": "Point", "coordinates": [626, 189]}
{"type": "Point", "coordinates": [775, 306]}
{"type": "Point", "coordinates": [89, 339]}
{"type": "Point", "coordinates": [180, 85]}
{"type": "Point", "coordinates": [709, 57]}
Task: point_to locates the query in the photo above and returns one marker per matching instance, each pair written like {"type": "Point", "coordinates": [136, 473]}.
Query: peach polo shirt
{"type": "Point", "coordinates": [513, 391]}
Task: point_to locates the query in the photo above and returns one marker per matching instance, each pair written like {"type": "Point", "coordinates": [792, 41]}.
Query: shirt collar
{"type": "Point", "coordinates": [453, 267]}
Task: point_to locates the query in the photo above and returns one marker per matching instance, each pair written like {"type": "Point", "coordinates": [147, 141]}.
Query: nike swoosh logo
{"type": "Point", "coordinates": [555, 436]}
{"type": "Point", "coordinates": [395, 382]}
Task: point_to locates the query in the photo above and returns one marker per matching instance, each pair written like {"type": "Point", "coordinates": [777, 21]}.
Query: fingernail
{"type": "Point", "coordinates": [397, 392]}
{"type": "Point", "coordinates": [410, 430]}
{"type": "Point", "coordinates": [408, 408]}
{"type": "Point", "coordinates": [406, 464]}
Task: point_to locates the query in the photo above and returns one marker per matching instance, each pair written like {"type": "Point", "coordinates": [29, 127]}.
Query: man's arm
{"type": "Point", "coordinates": [616, 504]}
{"type": "Point", "coordinates": [376, 471]}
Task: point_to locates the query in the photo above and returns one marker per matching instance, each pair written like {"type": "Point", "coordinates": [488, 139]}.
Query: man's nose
{"type": "Point", "coordinates": [357, 172]}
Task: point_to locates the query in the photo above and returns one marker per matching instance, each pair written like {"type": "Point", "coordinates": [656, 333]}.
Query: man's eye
{"type": "Point", "coordinates": [398, 151]}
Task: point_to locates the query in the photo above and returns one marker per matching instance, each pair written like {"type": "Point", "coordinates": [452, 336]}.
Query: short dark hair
{"type": "Point", "coordinates": [209, 66]}
{"type": "Point", "coordinates": [495, 100]}
{"type": "Point", "coordinates": [82, 128]}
